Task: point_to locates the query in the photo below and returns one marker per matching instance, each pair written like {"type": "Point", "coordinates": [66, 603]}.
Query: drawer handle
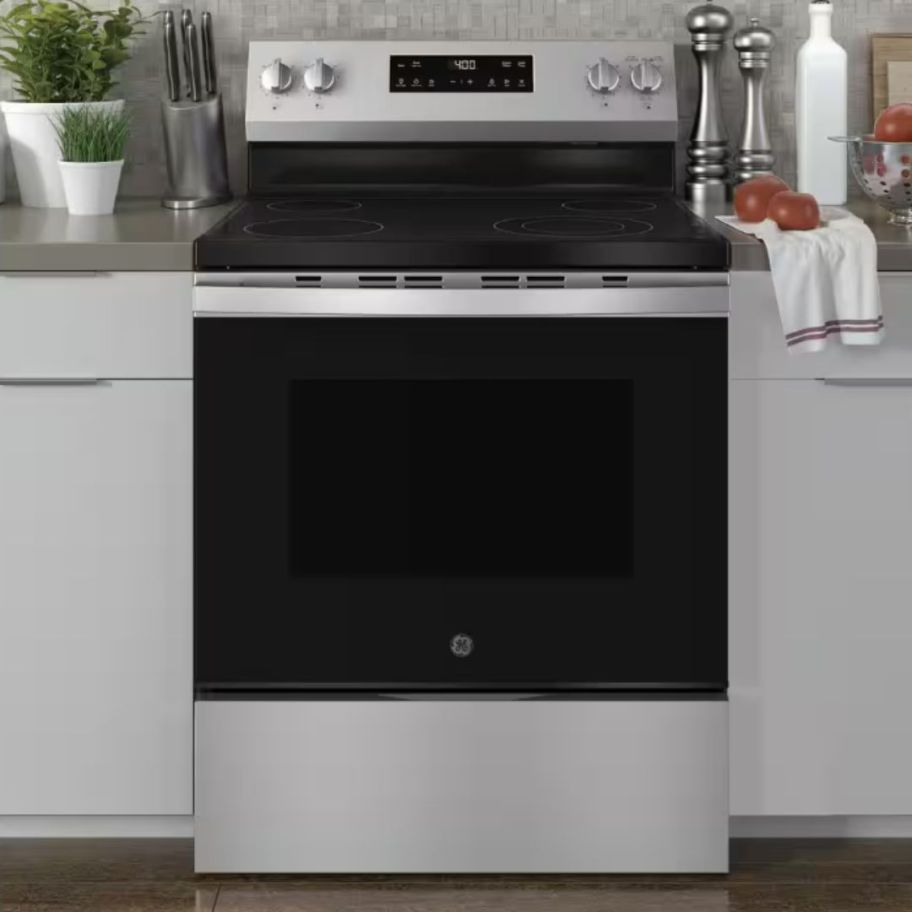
{"type": "Point", "coordinates": [50, 381]}
{"type": "Point", "coordinates": [70, 274]}
{"type": "Point", "coordinates": [865, 381]}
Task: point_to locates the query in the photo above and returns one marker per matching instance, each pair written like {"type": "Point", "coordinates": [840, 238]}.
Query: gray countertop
{"type": "Point", "coordinates": [142, 236]}
{"type": "Point", "coordinates": [894, 244]}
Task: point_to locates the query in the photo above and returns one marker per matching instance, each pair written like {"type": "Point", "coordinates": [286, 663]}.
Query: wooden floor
{"type": "Point", "coordinates": [105, 875]}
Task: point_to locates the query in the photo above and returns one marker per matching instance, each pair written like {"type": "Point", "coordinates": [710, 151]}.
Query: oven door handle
{"type": "Point", "coordinates": [640, 301]}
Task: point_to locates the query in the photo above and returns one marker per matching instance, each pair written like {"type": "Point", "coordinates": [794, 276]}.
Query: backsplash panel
{"type": "Point", "coordinates": [239, 21]}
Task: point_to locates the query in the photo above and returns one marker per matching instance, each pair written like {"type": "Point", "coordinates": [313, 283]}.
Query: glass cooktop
{"type": "Point", "coordinates": [341, 232]}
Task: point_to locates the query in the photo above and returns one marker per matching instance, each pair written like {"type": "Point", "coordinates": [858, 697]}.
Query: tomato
{"type": "Point", "coordinates": [753, 196]}
{"type": "Point", "coordinates": [894, 124]}
{"type": "Point", "coordinates": [794, 211]}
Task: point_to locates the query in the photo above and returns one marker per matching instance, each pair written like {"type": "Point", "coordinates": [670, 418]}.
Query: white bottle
{"type": "Point", "coordinates": [821, 91]}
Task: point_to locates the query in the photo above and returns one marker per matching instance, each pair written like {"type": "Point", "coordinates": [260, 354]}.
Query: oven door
{"type": "Point", "coordinates": [500, 504]}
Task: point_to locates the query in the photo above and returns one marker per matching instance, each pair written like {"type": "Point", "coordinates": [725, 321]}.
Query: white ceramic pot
{"type": "Point", "coordinates": [33, 142]}
{"type": "Point", "coordinates": [90, 187]}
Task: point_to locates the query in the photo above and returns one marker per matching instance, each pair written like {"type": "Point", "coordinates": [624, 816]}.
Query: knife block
{"type": "Point", "coordinates": [195, 153]}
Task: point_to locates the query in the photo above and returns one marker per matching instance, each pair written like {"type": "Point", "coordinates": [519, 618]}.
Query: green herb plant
{"type": "Point", "coordinates": [65, 51]}
{"type": "Point", "coordinates": [87, 134]}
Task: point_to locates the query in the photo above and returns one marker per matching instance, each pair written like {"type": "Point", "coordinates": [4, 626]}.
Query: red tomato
{"type": "Point", "coordinates": [753, 196]}
{"type": "Point", "coordinates": [894, 124]}
{"type": "Point", "coordinates": [794, 211]}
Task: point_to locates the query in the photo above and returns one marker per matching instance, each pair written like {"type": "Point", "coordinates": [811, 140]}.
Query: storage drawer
{"type": "Point", "coordinates": [757, 349]}
{"type": "Point", "coordinates": [85, 324]}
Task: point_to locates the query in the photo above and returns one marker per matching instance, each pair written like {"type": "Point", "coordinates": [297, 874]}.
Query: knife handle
{"type": "Point", "coordinates": [172, 68]}
{"type": "Point", "coordinates": [196, 79]}
{"type": "Point", "coordinates": [208, 48]}
{"type": "Point", "coordinates": [186, 18]}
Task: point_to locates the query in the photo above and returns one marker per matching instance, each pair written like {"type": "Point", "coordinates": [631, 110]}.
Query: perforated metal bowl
{"type": "Point", "coordinates": [884, 171]}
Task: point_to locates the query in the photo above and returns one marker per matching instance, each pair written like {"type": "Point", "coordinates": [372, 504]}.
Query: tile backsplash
{"type": "Point", "coordinates": [239, 21]}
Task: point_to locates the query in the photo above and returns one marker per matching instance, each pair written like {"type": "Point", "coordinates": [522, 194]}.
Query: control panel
{"type": "Point", "coordinates": [478, 73]}
{"type": "Point", "coordinates": [400, 91]}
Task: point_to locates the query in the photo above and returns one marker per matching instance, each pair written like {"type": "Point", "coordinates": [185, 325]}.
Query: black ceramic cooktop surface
{"type": "Point", "coordinates": [569, 232]}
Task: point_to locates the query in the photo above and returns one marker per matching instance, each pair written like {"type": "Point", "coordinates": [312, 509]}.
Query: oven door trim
{"type": "Point", "coordinates": [394, 690]}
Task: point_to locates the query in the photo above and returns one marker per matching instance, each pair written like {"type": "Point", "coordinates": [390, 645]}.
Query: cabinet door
{"type": "Point", "coordinates": [821, 597]}
{"type": "Point", "coordinates": [95, 598]}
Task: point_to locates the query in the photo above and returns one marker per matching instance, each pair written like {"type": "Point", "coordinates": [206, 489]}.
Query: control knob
{"type": "Point", "coordinates": [646, 77]}
{"type": "Point", "coordinates": [319, 76]}
{"type": "Point", "coordinates": [603, 77]}
{"type": "Point", "coordinates": [276, 77]}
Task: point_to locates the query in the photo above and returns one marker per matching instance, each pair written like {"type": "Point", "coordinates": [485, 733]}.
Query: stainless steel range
{"type": "Point", "coordinates": [461, 471]}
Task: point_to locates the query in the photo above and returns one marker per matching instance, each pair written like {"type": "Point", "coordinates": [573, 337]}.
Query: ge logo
{"type": "Point", "coordinates": [461, 645]}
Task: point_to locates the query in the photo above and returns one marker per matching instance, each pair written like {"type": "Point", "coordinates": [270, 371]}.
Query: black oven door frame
{"type": "Point", "coordinates": [333, 554]}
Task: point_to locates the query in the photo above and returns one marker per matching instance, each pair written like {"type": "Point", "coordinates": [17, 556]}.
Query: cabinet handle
{"type": "Point", "coordinates": [70, 274]}
{"type": "Point", "coordinates": [865, 381]}
{"type": "Point", "coordinates": [51, 381]}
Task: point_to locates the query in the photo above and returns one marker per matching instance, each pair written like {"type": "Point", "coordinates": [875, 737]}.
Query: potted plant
{"type": "Point", "coordinates": [60, 54]}
{"type": "Point", "coordinates": [92, 142]}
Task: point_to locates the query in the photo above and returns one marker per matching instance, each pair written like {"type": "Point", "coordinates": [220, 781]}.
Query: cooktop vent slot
{"type": "Point", "coordinates": [500, 281]}
{"type": "Point", "coordinates": [424, 281]}
{"type": "Point", "coordinates": [613, 281]}
{"type": "Point", "coordinates": [377, 281]}
{"type": "Point", "coordinates": [309, 281]}
{"type": "Point", "coordinates": [545, 281]}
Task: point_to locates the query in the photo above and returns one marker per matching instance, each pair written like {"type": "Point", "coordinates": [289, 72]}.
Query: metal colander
{"type": "Point", "coordinates": [884, 171]}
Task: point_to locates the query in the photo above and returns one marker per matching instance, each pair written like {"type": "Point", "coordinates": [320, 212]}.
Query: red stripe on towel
{"type": "Point", "coordinates": [837, 323]}
{"type": "Point", "coordinates": [833, 330]}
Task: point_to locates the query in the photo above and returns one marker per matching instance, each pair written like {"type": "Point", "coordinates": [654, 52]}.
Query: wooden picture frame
{"type": "Point", "coordinates": [886, 48]}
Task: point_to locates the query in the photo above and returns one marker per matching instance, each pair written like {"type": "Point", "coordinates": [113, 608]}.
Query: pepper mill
{"type": "Point", "coordinates": [708, 171]}
{"type": "Point", "coordinates": [754, 45]}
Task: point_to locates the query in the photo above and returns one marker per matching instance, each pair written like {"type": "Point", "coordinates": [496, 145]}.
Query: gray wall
{"type": "Point", "coordinates": [238, 21]}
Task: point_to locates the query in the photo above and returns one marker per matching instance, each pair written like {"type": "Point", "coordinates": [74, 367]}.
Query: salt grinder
{"type": "Point", "coordinates": [754, 45]}
{"type": "Point", "coordinates": [708, 171]}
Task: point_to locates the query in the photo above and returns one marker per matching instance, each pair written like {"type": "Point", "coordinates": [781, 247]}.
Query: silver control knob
{"type": "Point", "coordinates": [646, 77]}
{"type": "Point", "coordinates": [603, 77]}
{"type": "Point", "coordinates": [277, 77]}
{"type": "Point", "coordinates": [319, 76]}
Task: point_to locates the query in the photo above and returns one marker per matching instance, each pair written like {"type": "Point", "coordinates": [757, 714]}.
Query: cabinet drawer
{"type": "Point", "coordinates": [758, 351]}
{"type": "Point", "coordinates": [107, 325]}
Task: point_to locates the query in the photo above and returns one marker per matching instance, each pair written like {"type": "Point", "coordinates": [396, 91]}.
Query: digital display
{"type": "Point", "coordinates": [480, 73]}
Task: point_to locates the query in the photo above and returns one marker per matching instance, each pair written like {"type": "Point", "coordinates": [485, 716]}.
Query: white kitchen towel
{"type": "Point", "coordinates": [825, 279]}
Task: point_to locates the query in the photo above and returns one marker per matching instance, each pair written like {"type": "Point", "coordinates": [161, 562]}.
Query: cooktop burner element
{"type": "Point", "coordinates": [609, 205]}
{"type": "Point", "coordinates": [314, 206]}
{"type": "Point", "coordinates": [307, 228]}
{"type": "Point", "coordinates": [568, 226]}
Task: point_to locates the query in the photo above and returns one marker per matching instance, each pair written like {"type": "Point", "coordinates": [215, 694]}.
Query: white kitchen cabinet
{"type": "Point", "coordinates": [125, 324]}
{"type": "Point", "coordinates": [821, 586]}
{"type": "Point", "coordinates": [95, 589]}
{"type": "Point", "coordinates": [96, 553]}
{"type": "Point", "coordinates": [757, 350]}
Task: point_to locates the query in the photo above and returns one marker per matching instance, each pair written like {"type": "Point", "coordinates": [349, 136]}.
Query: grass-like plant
{"type": "Point", "coordinates": [65, 51]}
{"type": "Point", "coordinates": [87, 134]}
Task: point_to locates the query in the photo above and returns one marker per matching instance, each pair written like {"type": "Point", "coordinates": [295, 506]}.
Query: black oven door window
{"type": "Point", "coordinates": [461, 478]}
{"type": "Point", "coordinates": [460, 503]}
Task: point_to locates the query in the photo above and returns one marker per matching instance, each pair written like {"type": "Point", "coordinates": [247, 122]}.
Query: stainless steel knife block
{"type": "Point", "coordinates": [195, 152]}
